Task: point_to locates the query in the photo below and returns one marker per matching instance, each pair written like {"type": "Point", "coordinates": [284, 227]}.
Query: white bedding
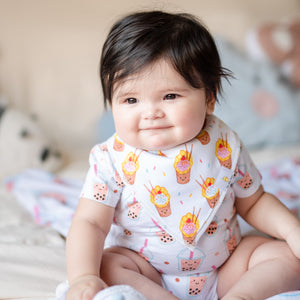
{"type": "Point", "coordinates": [32, 260]}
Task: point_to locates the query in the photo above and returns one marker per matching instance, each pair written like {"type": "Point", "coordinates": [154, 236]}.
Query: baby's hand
{"type": "Point", "coordinates": [293, 240]}
{"type": "Point", "coordinates": [85, 288]}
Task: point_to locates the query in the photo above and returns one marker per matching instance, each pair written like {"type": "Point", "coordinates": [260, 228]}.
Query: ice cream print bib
{"type": "Point", "coordinates": [183, 187]}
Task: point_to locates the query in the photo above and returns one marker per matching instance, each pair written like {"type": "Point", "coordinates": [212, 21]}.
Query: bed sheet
{"type": "Point", "coordinates": [31, 257]}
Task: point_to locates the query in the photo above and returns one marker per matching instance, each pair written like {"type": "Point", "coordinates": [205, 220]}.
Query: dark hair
{"type": "Point", "coordinates": [142, 38]}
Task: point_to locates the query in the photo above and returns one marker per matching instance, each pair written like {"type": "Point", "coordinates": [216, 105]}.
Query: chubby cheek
{"type": "Point", "coordinates": [191, 122]}
{"type": "Point", "coordinates": [126, 126]}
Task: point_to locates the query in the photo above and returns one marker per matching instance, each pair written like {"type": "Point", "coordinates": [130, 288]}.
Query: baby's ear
{"type": "Point", "coordinates": [210, 105]}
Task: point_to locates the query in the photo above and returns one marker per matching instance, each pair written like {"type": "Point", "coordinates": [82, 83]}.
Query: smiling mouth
{"type": "Point", "coordinates": [157, 128]}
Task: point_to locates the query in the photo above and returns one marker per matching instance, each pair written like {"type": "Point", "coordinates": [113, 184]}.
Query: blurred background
{"type": "Point", "coordinates": [49, 60]}
{"type": "Point", "coordinates": [50, 49]}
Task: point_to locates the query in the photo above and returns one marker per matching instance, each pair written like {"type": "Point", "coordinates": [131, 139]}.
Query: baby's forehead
{"type": "Point", "coordinates": [161, 73]}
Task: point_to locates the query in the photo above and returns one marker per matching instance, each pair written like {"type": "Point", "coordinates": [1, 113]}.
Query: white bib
{"type": "Point", "coordinates": [181, 188]}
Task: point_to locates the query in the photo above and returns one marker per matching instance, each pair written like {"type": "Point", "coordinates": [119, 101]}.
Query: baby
{"type": "Point", "coordinates": [168, 186]}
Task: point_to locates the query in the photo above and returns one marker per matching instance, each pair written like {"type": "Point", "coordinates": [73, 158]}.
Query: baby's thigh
{"type": "Point", "coordinates": [253, 251]}
{"type": "Point", "coordinates": [238, 263]}
{"type": "Point", "coordinates": [117, 259]}
{"type": "Point", "coordinates": [273, 249]}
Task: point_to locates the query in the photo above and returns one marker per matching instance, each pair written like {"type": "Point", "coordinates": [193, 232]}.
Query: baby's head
{"type": "Point", "coordinates": [177, 52]}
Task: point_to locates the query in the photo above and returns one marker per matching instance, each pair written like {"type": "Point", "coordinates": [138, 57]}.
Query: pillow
{"type": "Point", "coordinates": [259, 104]}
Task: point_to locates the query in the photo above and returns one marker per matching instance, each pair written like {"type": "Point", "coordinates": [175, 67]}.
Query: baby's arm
{"type": "Point", "coordinates": [84, 248]}
{"type": "Point", "coordinates": [266, 213]}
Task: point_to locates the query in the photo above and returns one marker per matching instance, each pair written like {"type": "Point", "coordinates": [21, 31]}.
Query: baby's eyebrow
{"type": "Point", "coordinates": [174, 89]}
{"type": "Point", "coordinates": [126, 94]}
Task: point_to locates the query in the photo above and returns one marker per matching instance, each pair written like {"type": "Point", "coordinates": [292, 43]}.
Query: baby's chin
{"type": "Point", "coordinates": [159, 146]}
{"type": "Point", "coordinates": [151, 146]}
{"type": "Point", "coordinates": [156, 142]}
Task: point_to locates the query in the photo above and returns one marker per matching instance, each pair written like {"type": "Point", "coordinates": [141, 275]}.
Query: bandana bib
{"type": "Point", "coordinates": [182, 188]}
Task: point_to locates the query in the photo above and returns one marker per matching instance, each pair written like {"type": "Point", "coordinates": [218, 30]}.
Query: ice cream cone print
{"type": "Point", "coordinates": [209, 191]}
{"type": "Point", "coordinates": [183, 163]}
{"type": "Point", "coordinates": [246, 181]}
{"type": "Point", "coordinates": [160, 197]}
{"type": "Point", "coordinates": [223, 152]}
{"type": "Point", "coordinates": [118, 145]}
{"type": "Point", "coordinates": [203, 137]}
{"type": "Point", "coordinates": [130, 166]}
{"type": "Point", "coordinates": [189, 226]}
{"type": "Point", "coordinates": [161, 154]}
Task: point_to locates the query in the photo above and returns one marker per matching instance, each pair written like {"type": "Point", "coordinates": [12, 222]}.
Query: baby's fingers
{"type": "Point", "coordinates": [88, 294]}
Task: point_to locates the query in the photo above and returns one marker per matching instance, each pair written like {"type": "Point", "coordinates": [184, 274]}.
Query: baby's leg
{"type": "Point", "coordinates": [259, 268]}
{"type": "Point", "coordinates": [123, 266]}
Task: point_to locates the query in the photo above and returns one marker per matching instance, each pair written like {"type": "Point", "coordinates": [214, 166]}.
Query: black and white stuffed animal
{"type": "Point", "coordinates": [23, 144]}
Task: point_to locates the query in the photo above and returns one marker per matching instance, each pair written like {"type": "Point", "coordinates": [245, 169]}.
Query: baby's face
{"type": "Point", "coordinates": [157, 109]}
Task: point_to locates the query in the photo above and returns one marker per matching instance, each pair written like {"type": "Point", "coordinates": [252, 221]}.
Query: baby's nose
{"type": "Point", "coordinates": [152, 113]}
{"type": "Point", "coordinates": [152, 110]}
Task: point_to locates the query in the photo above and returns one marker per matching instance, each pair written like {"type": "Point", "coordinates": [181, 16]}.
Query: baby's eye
{"type": "Point", "coordinates": [131, 100]}
{"type": "Point", "coordinates": [170, 96]}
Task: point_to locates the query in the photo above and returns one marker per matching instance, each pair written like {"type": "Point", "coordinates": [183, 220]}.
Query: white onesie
{"type": "Point", "coordinates": [176, 207]}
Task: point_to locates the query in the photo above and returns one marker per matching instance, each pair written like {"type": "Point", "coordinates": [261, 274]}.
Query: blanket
{"type": "Point", "coordinates": [51, 200]}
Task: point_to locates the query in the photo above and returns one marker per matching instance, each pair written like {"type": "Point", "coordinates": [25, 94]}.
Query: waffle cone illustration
{"type": "Point", "coordinates": [129, 167]}
{"type": "Point", "coordinates": [160, 197]}
{"type": "Point", "coordinates": [209, 191]}
{"type": "Point", "coordinates": [183, 164]}
{"type": "Point", "coordinates": [203, 137]}
{"type": "Point", "coordinates": [223, 153]}
{"type": "Point", "coordinates": [118, 145]}
{"type": "Point", "coordinates": [189, 226]}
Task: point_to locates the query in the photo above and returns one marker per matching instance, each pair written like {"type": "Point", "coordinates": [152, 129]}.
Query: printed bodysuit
{"type": "Point", "coordinates": [176, 207]}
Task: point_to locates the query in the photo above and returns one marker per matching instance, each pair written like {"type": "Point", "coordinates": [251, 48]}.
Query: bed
{"type": "Point", "coordinates": [50, 69]}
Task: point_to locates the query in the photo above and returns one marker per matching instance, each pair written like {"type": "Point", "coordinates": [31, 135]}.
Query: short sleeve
{"type": "Point", "coordinates": [247, 177]}
{"type": "Point", "coordinates": [102, 183]}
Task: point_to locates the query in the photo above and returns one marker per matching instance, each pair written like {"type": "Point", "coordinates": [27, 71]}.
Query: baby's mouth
{"type": "Point", "coordinates": [156, 127]}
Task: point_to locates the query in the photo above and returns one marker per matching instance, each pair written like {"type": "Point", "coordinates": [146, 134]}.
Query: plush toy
{"type": "Point", "coordinates": [279, 43]}
{"type": "Point", "coordinates": [23, 144]}
{"type": "Point", "coordinates": [258, 103]}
